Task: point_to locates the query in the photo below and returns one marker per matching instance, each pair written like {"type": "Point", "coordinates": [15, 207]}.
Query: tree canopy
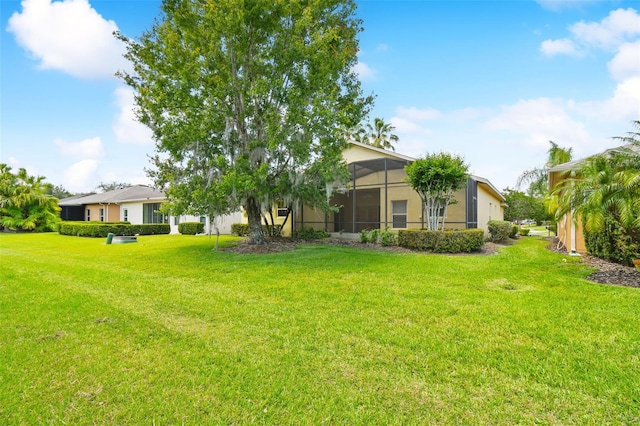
{"type": "Point", "coordinates": [25, 204]}
{"type": "Point", "coordinates": [538, 178]}
{"type": "Point", "coordinates": [246, 100]}
{"type": "Point", "coordinates": [522, 206]}
{"type": "Point", "coordinates": [378, 134]}
{"type": "Point", "coordinates": [436, 178]}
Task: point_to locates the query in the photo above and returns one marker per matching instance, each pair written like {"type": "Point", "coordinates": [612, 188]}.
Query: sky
{"type": "Point", "coordinates": [491, 81]}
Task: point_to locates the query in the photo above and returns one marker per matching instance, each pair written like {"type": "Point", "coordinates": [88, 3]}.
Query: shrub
{"type": "Point", "coordinates": [514, 232]}
{"type": "Point", "coordinates": [191, 228]}
{"type": "Point", "coordinates": [369, 236]}
{"type": "Point", "coordinates": [240, 229]}
{"type": "Point", "coordinates": [388, 238]}
{"type": "Point", "coordinates": [464, 241]}
{"type": "Point", "coordinates": [101, 229]}
{"type": "Point", "coordinates": [309, 233]}
{"type": "Point", "coordinates": [499, 230]}
{"type": "Point", "coordinates": [614, 243]}
{"type": "Point", "coordinates": [524, 232]}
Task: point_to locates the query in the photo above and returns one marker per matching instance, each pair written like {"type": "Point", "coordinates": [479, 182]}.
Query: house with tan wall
{"type": "Point", "coordinates": [378, 197]}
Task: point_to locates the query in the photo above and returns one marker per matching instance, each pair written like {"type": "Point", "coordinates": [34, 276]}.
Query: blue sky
{"type": "Point", "coordinates": [492, 81]}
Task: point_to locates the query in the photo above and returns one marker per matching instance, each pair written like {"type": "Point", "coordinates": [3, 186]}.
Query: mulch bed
{"type": "Point", "coordinates": [608, 272]}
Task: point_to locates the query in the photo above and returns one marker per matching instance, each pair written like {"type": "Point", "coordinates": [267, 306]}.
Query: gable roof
{"type": "Point", "coordinates": [128, 194]}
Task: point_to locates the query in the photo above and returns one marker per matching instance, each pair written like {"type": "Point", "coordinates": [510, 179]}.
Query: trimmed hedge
{"type": "Point", "coordinates": [242, 230]}
{"type": "Point", "coordinates": [308, 233]}
{"type": "Point", "coordinates": [464, 241]}
{"type": "Point", "coordinates": [499, 230]}
{"type": "Point", "coordinates": [101, 229]}
{"type": "Point", "coordinates": [191, 228]}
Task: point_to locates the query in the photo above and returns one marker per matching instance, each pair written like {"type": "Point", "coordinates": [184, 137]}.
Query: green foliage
{"type": "Point", "coordinates": [191, 228]}
{"type": "Point", "coordinates": [538, 178]}
{"type": "Point", "coordinates": [465, 241]}
{"type": "Point", "coordinates": [310, 233]}
{"type": "Point", "coordinates": [101, 229]}
{"type": "Point", "coordinates": [388, 238]}
{"type": "Point", "coordinates": [514, 231]}
{"type": "Point", "coordinates": [240, 229]}
{"type": "Point", "coordinates": [613, 242]}
{"type": "Point", "coordinates": [604, 190]}
{"type": "Point", "coordinates": [25, 202]}
{"type": "Point", "coordinates": [499, 230]}
{"type": "Point", "coordinates": [378, 135]}
{"type": "Point", "coordinates": [522, 206]}
{"type": "Point", "coordinates": [524, 232]}
{"type": "Point", "coordinates": [436, 178]}
{"type": "Point", "coordinates": [246, 101]}
{"type": "Point", "coordinates": [369, 236]}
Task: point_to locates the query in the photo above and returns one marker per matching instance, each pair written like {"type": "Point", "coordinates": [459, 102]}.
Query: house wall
{"type": "Point", "coordinates": [570, 234]}
{"type": "Point", "coordinates": [111, 212]}
{"type": "Point", "coordinates": [489, 207]}
{"type": "Point", "coordinates": [135, 216]}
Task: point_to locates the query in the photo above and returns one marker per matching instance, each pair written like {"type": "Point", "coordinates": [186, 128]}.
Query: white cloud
{"type": "Point", "coordinates": [69, 36]}
{"type": "Point", "coordinates": [620, 26]}
{"type": "Point", "coordinates": [85, 149]}
{"type": "Point", "coordinates": [365, 72]}
{"type": "Point", "coordinates": [77, 176]}
{"type": "Point", "coordinates": [623, 105]}
{"type": "Point", "coordinates": [559, 47]}
{"type": "Point", "coordinates": [127, 128]}
{"type": "Point", "coordinates": [540, 121]}
{"type": "Point", "coordinates": [626, 63]}
{"type": "Point", "coordinates": [558, 5]}
{"type": "Point", "coordinates": [417, 114]}
{"type": "Point", "coordinates": [382, 47]}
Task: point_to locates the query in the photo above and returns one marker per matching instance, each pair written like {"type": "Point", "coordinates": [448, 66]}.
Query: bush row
{"type": "Point", "coordinates": [101, 229]}
{"type": "Point", "coordinates": [386, 238]}
{"type": "Point", "coordinates": [191, 228]}
{"type": "Point", "coordinates": [242, 230]}
{"type": "Point", "coordinates": [309, 233]}
{"type": "Point", "coordinates": [463, 241]}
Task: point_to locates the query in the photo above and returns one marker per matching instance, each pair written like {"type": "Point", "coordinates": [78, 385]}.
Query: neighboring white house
{"type": "Point", "coordinates": [136, 204]}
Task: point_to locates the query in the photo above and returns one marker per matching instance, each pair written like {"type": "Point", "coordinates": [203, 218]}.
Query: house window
{"type": "Point", "coordinates": [125, 214]}
{"type": "Point", "coordinates": [399, 213]}
{"type": "Point", "coordinates": [176, 220]}
{"type": "Point", "coordinates": [88, 215]}
{"type": "Point", "coordinates": [151, 213]}
{"type": "Point", "coordinates": [203, 220]}
{"type": "Point", "coordinates": [101, 215]}
{"type": "Point", "coordinates": [282, 210]}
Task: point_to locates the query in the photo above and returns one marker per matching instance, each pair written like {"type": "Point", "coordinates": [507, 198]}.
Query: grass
{"type": "Point", "coordinates": [167, 331]}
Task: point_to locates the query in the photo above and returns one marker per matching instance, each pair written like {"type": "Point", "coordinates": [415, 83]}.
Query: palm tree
{"type": "Point", "coordinates": [606, 184]}
{"type": "Point", "coordinates": [538, 178]}
{"type": "Point", "coordinates": [25, 203]}
{"type": "Point", "coordinates": [605, 189]}
{"type": "Point", "coordinates": [379, 135]}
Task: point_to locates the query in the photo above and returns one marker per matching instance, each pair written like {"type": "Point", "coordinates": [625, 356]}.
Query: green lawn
{"type": "Point", "coordinates": [167, 331]}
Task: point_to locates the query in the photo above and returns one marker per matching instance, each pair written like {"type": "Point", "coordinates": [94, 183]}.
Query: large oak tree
{"type": "Point", "coordinates": [246, 99]}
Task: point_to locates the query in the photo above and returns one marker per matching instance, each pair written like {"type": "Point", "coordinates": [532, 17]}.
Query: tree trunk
{"type": "Point", "coordinates": [254, 215]}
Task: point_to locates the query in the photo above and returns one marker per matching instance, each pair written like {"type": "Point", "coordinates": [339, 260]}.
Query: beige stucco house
{"type": "Point", "coordinates": [378, 197]}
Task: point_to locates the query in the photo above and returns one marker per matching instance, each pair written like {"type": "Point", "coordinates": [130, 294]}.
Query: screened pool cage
{"type": "Point", "coordinates": [377, 198]}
